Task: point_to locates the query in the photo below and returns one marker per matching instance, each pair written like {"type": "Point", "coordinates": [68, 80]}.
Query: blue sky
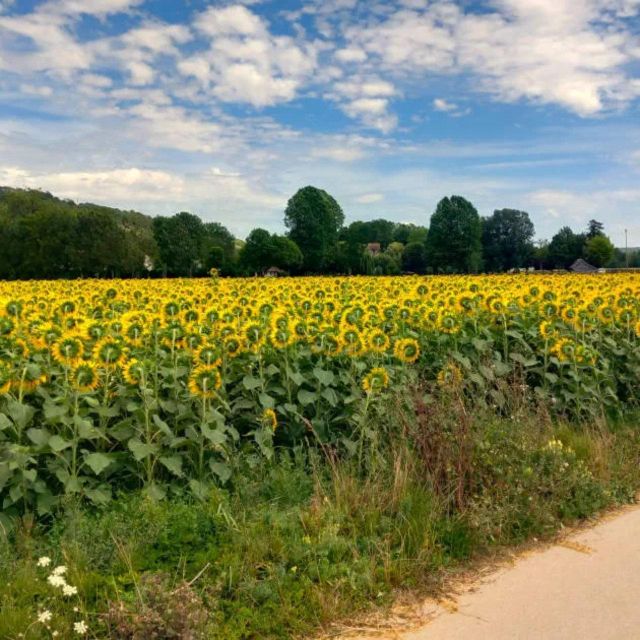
{"type": "Point", "coordinates": [226, 108]}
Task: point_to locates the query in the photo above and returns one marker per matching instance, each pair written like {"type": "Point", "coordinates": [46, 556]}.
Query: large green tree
{"type": "Point", "coordinates": [507, 240]}
{"type": "Point", "coordinates": [565, 248]}
{"type": "Point", "coordinates": [263, 250]}
{"type": "Point", "coordinates": [314, 220]}
{"type": "Point", "coordinates": [454, 241]}
{"type": "Point", "coordinates": [598, 250]}
{"type": "Point", "coordinates": [414, 258]}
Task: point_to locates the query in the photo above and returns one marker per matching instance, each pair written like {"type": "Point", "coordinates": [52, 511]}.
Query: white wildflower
{"type": "Point", "coordinates": [80, 627]}
{"type": "Point", "coordinates": [44, 616]}
{"type": "Point", "coordinates": [45, 561]}
{"type": "Point", "coordinates": [56, 581]}
{"type": "Point", "coordinates": [68, 590]}
{"type": "Point", "coordinates": [60, 571]}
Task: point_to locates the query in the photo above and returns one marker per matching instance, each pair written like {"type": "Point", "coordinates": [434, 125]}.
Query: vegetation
{"type": "Point", "coordinates": [44, 237]}
{"type": "Point", "coordinates": [252, 458]}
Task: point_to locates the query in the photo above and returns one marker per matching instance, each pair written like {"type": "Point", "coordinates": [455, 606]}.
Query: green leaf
{"type": "Point", "coordinates": [330, 396]}
{"type": "Point", "coordinates": [216, 436]}
{"type": "Point", "coordinates": [221, 469]}
{"type": "Point", "coordinates": [58, 444]}
{"type": "Point", "coordinates": [296, 376]}
{"type": "Point", "coordinates": [306, 397]}
{"type": "Point", "coordinates": [251, 382]}
{"type": "Point", "coordinates": [162, 425]}
{"type": "Point", "coordinates": [5, 423]}
{"type": "Point", "coordinates": [140, 450]}
{"type": "Point", "coordinates": [39, 437]}
{"type": "Point", "coordinates": [21, 414]}
{"type": "Point", "coordinates": [173, 463]}
{"type": "Point", "coordinates": [325, 378]}
{"type": "Point", "coordinates": [266, 401]}
{"type": "Point", "coordinates": [99, 495]}
{"type": "Point", "coordinates": [156, 491]}
{"type": "Point", "coordinates": [98, 462]}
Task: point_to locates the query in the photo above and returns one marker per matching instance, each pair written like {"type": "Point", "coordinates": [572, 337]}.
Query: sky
{"type": "Point", "coordinates": [225, 109]}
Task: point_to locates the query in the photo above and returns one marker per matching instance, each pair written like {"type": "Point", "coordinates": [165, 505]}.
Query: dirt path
{"type": "Point", "coordinates": [586, 587]}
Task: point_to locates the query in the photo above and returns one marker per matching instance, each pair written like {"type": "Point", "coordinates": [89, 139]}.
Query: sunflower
{"type": "Point", "coordinates": [5, 379]}
{"type": "Point", "coordinates": [208, 355]}
{"type": "Point", "coordinates": [376, 380]}
{"type": "Point", "coordinates": [406, 350]}
{"type": "Point", "coordinates": [134, 372]}
{"type": "Point", "coordinates": [450, 375]}
{"type": "Point", "coordinates": [68, 351]}
{"type": "Point", "coordinates": [85, 377]}
{"type": "Point", "coordinates": [269, 419]}
{"type": "Point", "coordinates": [377, 341]}
{"type": "Point", "coordinates": [205, 381]}
{"type": "Point", "coordinates": [108, 352]}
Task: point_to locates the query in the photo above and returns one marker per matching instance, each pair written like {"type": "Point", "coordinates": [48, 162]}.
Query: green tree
{"type": "Point", "coordinates": [599, 250]}
{"type": "Point", "coordinates": [507, 240]}
{"type": "Point", "coordinates": [263, 250]}
{"type": "Point", "coordinates": [565, 248]}
{"type": "Point", "coordinates": [286, 253]}
{"type": "Point", "coordinates": [594, 229]}
{"type": "Point", "coordinates": [180, 241]}
{"type": "Point", "coordinates": [414, 258]}
{"type": "Point", "coordinates": [406, 233]}
{"type": "Point", "coordinates": [454, 242]}
{"type": "Point", "coordinates": [314, 220]}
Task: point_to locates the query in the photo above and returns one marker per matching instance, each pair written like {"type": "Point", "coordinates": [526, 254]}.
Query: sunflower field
{"type": "Point", "coordinates": [114, 385]}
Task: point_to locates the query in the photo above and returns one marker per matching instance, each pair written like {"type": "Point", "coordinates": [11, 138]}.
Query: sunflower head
{"type": "Point", "coordinates": [5, 378]}
{"type": "Point", "coordinates": [407, 350]}
{"type": "Point", "coordinates": [376, 380]}
{"type": "Point", "coordinates": [85, 377]}
{"type": "Point", "coordinates": [269, 419]}
{"type": "Point", "coordinates": [450, 376]}
{"type": "Point", "coordinates": [134, 372]}
{"type": "Point", "coordinates": [205, 381]}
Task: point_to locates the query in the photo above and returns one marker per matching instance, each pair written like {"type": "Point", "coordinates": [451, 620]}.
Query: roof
{"type": "Point", "coordinates": [582, 266]}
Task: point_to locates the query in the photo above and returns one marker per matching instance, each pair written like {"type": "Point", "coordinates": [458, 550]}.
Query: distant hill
{"type": "Point", "coordinates": [43, 236]}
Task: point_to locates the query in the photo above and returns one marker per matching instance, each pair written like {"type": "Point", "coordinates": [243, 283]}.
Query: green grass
{"type": "Point", "coordinates": [307, 539]}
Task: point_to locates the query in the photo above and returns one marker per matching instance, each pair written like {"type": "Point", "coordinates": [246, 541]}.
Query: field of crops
{"type": "Point", "coordinates": [109, 385]}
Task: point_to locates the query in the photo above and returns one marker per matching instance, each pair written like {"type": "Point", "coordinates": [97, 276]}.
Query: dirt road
{"type": "Point", "coordinates": [585, 588]}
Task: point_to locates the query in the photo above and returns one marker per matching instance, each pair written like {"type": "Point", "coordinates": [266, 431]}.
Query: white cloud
{"type": "Point", "coordinates": [120, 184]}
{"type": "Point", "coordinates": [369, 198]}
{"type": "Point", "coordinates": [440, 104]}
{"type": "Point", "coordinates": [245, 62]}
{"type": "Point", "coordinates": [567, 52]}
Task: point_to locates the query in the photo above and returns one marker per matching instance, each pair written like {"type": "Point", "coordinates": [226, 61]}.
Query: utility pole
{"type": "Point", "coordinates": [626, 248]}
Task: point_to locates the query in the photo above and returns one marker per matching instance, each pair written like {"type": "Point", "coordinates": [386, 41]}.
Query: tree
{"type": "Point", "coordinates": [598, 250]}
{"type": "Point", "coordinates": [286, 253]}
{"type": "Point", "coordinates": [257, 253]}
{"type": "Point", "coordinates": [507, 238]}
{"type": "Point", "coordinates": [406, 233]}
{"type": "Point", "coordinates": [314, 219]}
{"type": "Point", "coordinates": [263, 250]}
{"type": "Point", "coordinates": [414, 258]}
{"type": "Point", "coordinates": [454, 241]}
{"type": "Point", "coordinates": [180, 241]}
{"type": "Point", "coordinates": [565, 248]}
{"type": "Point", "coordinates": [218, 247]}
{"type": "Point", "coordinates": [595, 229]}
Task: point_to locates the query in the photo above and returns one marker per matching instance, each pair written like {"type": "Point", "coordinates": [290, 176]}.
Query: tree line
{"type": "Point", "coordinates": [42, 236]}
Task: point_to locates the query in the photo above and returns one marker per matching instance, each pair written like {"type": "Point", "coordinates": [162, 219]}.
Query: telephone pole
{"type": "Point", "coordinates": [626, 248]}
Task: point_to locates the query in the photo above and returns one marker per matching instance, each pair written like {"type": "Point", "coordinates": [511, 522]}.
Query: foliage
{"type": "Point", "coordinates": [296, 542]}
{"type": "Point", "coordinates": [598, 250]}
{"type": "Point", "coordinates": [507, 240]}
{"type": "Point", "coordinates": [263, 250]}
{"type": "Point", "coordinates": [565, 248]}
{"type": "Point", "coordinates": [414, 258]}
{"type": "Point", "coordinates": [166, 385]}
{"type": "Point", "coordinates": [454, 241]}
{"type": "Point", "coordinates": [314, 220]}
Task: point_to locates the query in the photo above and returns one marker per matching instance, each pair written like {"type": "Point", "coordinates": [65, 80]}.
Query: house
{"type": "Point", "coordinates": [582, 266]}
{"type": "Point", "coordinates": [374, 248]}
{"type": "Point", "coordinates": [274, 272]}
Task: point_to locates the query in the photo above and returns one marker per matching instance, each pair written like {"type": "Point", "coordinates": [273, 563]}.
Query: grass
{"type": "Point", "coordinates": [307, 539]}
